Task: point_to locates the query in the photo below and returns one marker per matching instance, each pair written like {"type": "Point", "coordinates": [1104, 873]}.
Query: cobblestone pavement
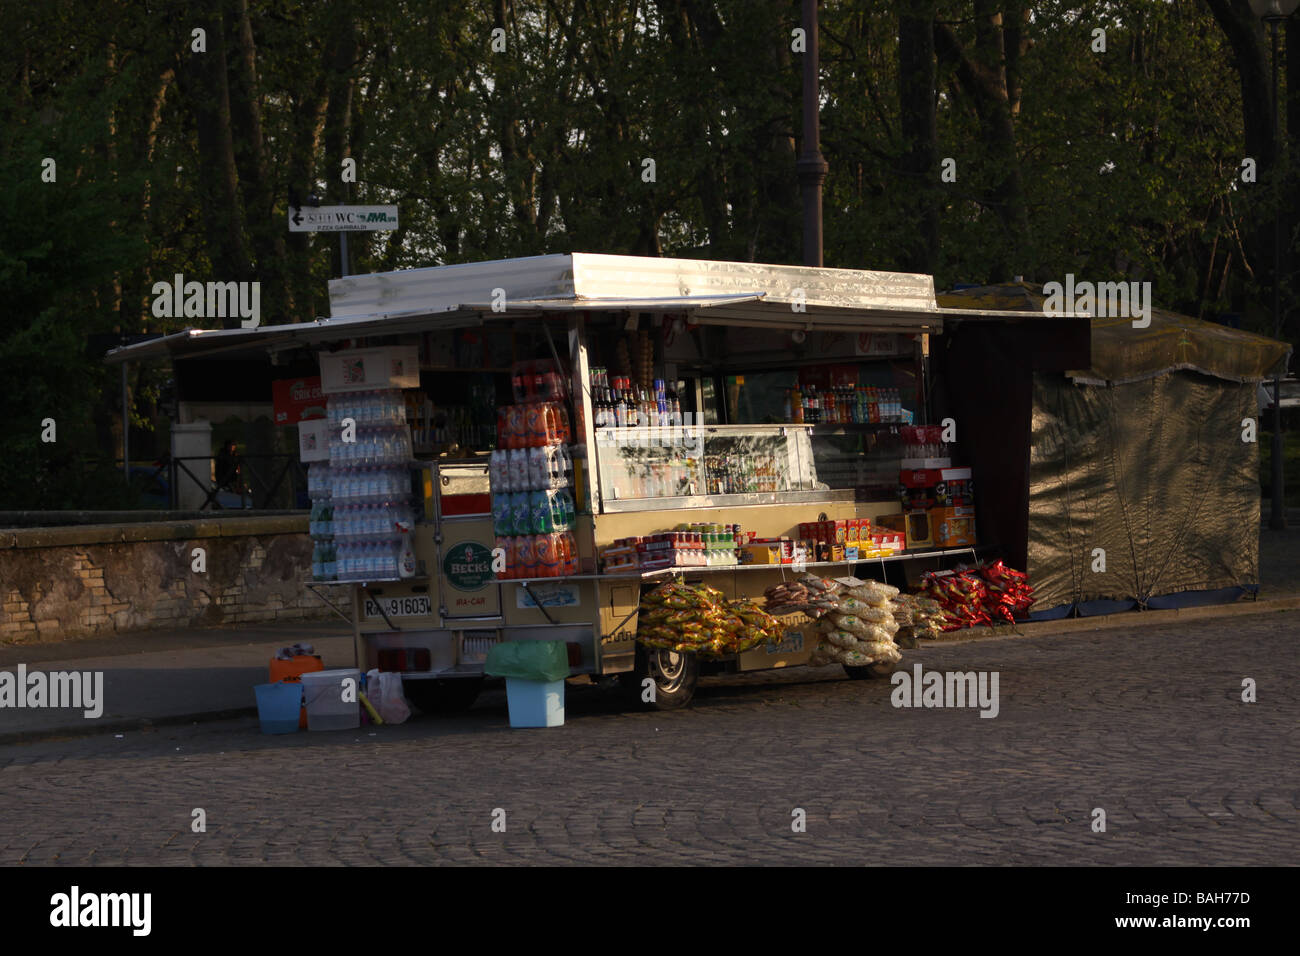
{"type": "Point", "coordinates": [1146, 724]}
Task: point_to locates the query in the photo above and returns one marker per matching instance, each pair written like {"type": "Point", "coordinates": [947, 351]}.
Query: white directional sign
{"type": "Point", "coordinates": [342, 218]}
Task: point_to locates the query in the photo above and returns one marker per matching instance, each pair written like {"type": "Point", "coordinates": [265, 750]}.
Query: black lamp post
{"type": "Point", "coordinates": [1274, 12]}
{"type": "Point", "coordinates": [811, 165]}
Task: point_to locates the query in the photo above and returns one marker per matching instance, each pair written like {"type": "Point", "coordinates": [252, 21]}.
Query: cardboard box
{"type": "Point", "coordinates": [919, 531]}
{"type": "Point", "coordinates": [920, 477]}
{"type": "Point", "coordinates": [314, 440]}
{"type": "Point", "coordinates": [956, 488]}
{"type": "Point", "coordinates": [359, 370]}
{"type": "Point", "coordinates": [796, 637]}
{"type": "Point", "coordinates": [887, 542]}
{"type": "Point", "coordinates": [761, 551]}
{"type": "Point", "coordinates": [953, 527]}
{"type": "Point", "coordinates": [895, 522]}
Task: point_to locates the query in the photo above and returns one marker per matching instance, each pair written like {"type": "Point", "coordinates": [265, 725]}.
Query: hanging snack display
{"type": "Point", "coordinates": [681, 617]}
{"type": "Point", "coordinates": [919, 619]}
{"type": "Point", "coordinates": [855, 617]}
{"type": "Point", "coordinates": [976, 596]}
{"type": "Point", "coordinates": [861, 631]}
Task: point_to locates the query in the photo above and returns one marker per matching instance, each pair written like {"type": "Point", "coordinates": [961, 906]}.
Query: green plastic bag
{"type": "Point", "coordinates": [528, 660]}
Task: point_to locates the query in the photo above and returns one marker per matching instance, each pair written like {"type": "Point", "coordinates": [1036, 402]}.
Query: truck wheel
{"type": "Point", "coordinates": [675, 676]}
{"type": "Point", "coordinates": [870, 672]}
{"type": "Point", "coordinates": [443, 695]}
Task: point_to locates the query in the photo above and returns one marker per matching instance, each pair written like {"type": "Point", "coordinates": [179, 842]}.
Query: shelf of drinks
{"type": "Point", "coordinates": [370, 582]}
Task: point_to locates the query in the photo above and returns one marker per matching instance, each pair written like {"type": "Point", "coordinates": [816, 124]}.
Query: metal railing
{"type": "Point", "coordinates": [264, 481]}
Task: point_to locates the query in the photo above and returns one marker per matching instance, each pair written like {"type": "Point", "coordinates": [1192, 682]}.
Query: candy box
{"type": "Point", "coordinates": [953, 527]}
{"type": "Point", "coordinates": [762, 551]}
{"type": "Point", "coordinates": [891, 522]}
{"type": "Point", "coordinates": [919, 532]}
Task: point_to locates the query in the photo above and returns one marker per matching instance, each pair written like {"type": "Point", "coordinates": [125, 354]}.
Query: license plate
{"type": "Point", "coordinates": [416, 605]}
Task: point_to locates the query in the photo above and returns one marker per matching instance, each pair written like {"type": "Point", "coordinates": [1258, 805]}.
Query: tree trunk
{"type": "Point", "coordinates": [919, 165]}
{"type": "Point", "coordinates": [201, 79]}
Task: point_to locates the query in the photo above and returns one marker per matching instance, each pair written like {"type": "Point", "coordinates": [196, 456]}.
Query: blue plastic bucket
{"type": "Point", "coordinates": [278, 706]}
{"type": "Point", "coordinates": [535, 703]}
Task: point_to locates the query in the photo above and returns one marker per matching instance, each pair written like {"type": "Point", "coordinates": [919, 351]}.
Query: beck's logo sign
{"type": "Point", "coordinates": [468, 566]}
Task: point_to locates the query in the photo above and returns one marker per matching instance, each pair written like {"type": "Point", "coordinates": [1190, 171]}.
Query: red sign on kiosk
{"type": "Point", "coordinates": [297, 400]}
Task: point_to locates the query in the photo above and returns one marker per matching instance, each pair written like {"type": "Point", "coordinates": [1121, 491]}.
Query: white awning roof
{"type": "Point", "coordinates": [713, 293]}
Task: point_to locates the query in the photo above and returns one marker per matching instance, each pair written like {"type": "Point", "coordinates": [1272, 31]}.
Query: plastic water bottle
{"type": "Point", "coordinates": [566, 467]}
{"type": "Point", "coordinates": [516, 470]}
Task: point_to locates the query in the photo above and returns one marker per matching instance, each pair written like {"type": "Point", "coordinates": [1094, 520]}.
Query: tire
{"type": "Point", "coordinates": [877, 671]}
{"type": "Point", "coordinates": [675, 675]}
{"type": "Point", "coordinates": [443, 695]}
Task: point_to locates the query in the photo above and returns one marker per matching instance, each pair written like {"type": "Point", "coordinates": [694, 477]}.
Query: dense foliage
{"type": "Point", "coordinates": [1123, 163]}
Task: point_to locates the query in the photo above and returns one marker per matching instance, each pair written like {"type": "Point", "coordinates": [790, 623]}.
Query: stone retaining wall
{"type": "Point", "coordinates": [99, 580]}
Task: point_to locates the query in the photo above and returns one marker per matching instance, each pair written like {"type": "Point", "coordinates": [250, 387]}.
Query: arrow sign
{"type": "Point", "coordinates": [342, 218]}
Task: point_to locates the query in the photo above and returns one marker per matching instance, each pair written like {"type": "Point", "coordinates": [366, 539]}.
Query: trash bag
{"type": "Point", "coordinates": [528, 660]}
{"type": "Point", "coordinates": [385, 693]}
{"type": "Point", "coordinates": [392, 706]}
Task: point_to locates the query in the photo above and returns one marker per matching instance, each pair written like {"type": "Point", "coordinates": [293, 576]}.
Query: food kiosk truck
{"type": "Point", "coordinates": [699, 419]}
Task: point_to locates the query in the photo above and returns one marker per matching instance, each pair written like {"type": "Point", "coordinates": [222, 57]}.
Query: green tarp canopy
{"type": "Point", "coordinates": [1141, 484]}
{"type": "Point", "coordinates": [1173, 342]}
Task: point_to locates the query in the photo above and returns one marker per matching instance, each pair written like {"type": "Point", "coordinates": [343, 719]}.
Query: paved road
{"type": "Point", "coordinates": [1147, 725]}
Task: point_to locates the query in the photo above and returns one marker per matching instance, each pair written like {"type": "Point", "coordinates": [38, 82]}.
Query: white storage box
{"type": "Point", "coordinates": [359, 370]}
{"type": "Point", "coordinates": [331, 705]}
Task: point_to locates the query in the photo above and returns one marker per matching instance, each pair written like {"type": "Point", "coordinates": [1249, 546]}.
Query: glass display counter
{"type": "Point", "coordinates": [685, 466]}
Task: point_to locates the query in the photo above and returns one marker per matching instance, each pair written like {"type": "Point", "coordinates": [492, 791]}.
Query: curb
{"type": "Point", "coordinates": [1125, 619]}
{"type": "Point", "coordinates": [132, 725]}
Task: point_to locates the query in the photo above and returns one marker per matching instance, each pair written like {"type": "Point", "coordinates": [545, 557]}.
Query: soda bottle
{"type": "Point", "coordinates": [503, 521]}
{"type": "Point", "coordinates": [565, 426]}
{"type": "Point", "coordinates": [550, 419]}
{"type": "Point", "coordinates": [553, 512]}
{"type": "Point", "coordinates": [544, 546]}
{"type": "Point", "coordinates": [521, 517]}
{"type": "Point", "coordinates": [515, 425]}
{"type": "Point", "coordinates": [534, 425]}
{"type": "Point", "coordinates": [570, 511]}
{"type": "Point", "coordinates": [570, 545]}
{"type": "Point", "coordinates": [504, 547]}
{"type": "Point", "coordinates": [525, 556]}
{"type": "Point", "coordinates": [540, 507]}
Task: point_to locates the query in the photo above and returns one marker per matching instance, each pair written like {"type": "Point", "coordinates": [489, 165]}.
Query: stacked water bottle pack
{"type": "Point", "coordinates": [533, 509]}
{"type": "Point", "coordinates": [324, 556]}
{"type": "Point", "coordinates": [370, 486]}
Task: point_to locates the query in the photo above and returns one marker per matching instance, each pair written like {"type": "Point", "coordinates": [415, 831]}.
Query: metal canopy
{"type": "Point", "coordinates": [711, 293]}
